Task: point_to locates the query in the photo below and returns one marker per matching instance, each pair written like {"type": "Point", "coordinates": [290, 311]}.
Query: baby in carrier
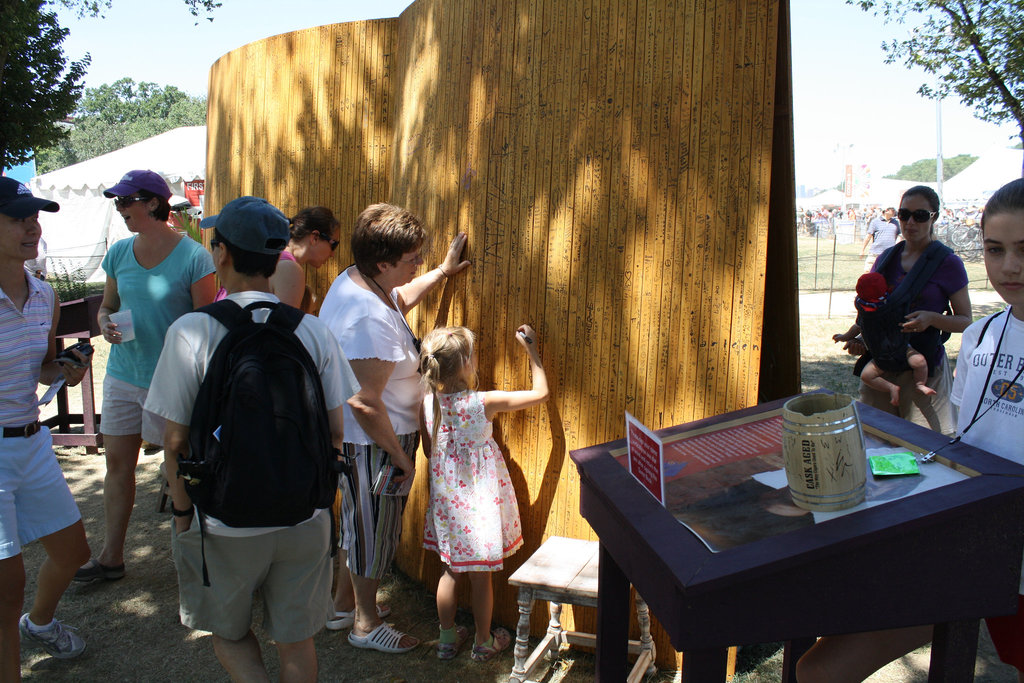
{"type": "Point", "coordinates": [888, 346]}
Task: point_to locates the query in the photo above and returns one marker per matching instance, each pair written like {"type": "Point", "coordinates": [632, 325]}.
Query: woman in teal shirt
{"type": "Point", "coordinates": [159, 275]}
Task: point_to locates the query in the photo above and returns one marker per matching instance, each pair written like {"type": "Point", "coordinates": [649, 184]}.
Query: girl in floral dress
{"type": "Point", "coordinates": [472, 520]}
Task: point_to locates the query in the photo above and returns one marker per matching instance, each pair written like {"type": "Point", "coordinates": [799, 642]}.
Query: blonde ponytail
{"type": "Point", "coordinates": [444, 355]}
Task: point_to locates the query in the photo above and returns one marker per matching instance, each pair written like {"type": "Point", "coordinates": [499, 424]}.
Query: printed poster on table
{"type": "Point", "coordinates": [646, 457]}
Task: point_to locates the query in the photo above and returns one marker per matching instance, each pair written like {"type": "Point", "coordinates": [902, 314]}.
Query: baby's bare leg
{"type": "Point", "coordinates": [919, 364]}
{"type": "Point", "coordinates": [872, 376]}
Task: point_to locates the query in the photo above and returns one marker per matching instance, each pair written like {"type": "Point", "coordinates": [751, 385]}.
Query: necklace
{"type": "Point", "coordinates": [391, 302]}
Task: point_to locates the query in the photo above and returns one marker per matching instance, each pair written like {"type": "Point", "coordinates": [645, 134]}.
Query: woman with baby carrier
{"type": "Point", "coordinates": [930, 282]}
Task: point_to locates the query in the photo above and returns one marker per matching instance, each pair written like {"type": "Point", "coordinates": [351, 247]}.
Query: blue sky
{"type": "Point", "coordinates": [847, 102]}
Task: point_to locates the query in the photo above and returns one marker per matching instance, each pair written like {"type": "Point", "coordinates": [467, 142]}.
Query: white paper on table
{"type": "Point", "coordinates": [933, 475]}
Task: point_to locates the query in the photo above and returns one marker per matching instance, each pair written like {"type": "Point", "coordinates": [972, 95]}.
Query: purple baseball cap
{"type": "Point", "coordinates": [133, 181]}
{"type": "Point", "coordinates": [16, 200]}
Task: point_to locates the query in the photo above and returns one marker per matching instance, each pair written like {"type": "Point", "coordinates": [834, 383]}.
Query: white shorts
{"type": "Point", "coordinates": [35, 501]}
{"type": "Point", "coordinates": [123, 414]}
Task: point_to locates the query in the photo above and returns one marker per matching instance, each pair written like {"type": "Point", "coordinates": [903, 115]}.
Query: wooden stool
{"type": "Point", "coordinates": [564, 571]}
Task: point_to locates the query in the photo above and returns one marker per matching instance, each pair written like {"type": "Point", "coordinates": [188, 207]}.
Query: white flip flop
{"type": "Point", "coordinates": [343, 620]}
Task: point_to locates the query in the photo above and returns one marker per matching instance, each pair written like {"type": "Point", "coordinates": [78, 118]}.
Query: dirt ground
{"type": "Point", "coordinates": [132, 630]}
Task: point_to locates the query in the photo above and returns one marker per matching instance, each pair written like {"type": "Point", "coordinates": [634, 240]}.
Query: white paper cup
{"type": "Point", "coordinates": [123, 320]}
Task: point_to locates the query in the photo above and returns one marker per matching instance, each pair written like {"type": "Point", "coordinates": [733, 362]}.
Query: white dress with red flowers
{"type": "Point", "coordinates": [472, 520]}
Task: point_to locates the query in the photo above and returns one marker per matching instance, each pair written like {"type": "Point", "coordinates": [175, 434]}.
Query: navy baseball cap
{"type": "Point", "coordinates": [16, 200]}
{"type": "Point", "coordinates": [251, 224]}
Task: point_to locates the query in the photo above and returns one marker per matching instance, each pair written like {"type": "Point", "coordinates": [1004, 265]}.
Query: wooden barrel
{"type": "Point", "coordinates": [823, 445]}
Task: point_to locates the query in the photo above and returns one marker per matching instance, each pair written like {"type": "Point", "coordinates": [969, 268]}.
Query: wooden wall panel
{"type": "Point", "coordinates": [612, 164]}
{"type": "Point", "coordinates": [302, 119]}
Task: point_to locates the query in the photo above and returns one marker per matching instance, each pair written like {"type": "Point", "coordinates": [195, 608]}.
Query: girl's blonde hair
{"type": "Point", "coordinates": [444, 355]}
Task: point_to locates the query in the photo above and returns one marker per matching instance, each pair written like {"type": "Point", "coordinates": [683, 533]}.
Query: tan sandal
{"type": "Point", "coordinates": [500, 640]}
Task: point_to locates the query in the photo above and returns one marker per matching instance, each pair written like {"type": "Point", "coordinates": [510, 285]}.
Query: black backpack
{"type": "Point", "coordinates": [260, 442]}
{"type": "Point", "coordinates": [880, 328]}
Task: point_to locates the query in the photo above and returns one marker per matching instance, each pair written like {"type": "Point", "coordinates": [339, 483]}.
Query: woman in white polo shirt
{"type": "Point", "coordinates": [35, 502]}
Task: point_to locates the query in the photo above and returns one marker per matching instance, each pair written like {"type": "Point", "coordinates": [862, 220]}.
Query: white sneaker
{"type": "Point", "coordinates": [59, 641]}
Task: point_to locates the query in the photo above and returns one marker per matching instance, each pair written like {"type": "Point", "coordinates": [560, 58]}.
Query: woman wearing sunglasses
{"type": "Point", "coordinates": [157, 275]}
{"type": "Point", "coordinates": [942, 306]}
{"type": "Point", "coordinates": [314, 232]}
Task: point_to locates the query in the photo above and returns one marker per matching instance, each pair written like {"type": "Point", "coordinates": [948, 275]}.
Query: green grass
{"type": "Point", "coordinates": [823, 264]}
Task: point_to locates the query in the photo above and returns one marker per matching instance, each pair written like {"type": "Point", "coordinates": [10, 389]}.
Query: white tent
{"type": "Point", "coordinates": [976, 183]}
{"type": "Point", "coordinates": [882, 192]}
{"type": "Point", "coordinates": [78, 235]}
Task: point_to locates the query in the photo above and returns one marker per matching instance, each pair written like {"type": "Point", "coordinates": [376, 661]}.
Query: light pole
{"type": "Point", "coordinates": [938, 147]}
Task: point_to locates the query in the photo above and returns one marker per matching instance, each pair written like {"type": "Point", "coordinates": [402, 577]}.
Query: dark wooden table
{"type": "Point", "coordinates": [948, 557]}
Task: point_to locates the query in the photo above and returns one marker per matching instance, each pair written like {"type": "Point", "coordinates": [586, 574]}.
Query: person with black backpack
{"type": "Point", "coordinates": [252, 391]}
{"type": "Point", "coordinates": [929, 301]}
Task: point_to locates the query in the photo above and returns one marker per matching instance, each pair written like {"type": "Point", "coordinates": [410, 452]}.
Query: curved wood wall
{"type": "Point", "coordinates": [612, 164]}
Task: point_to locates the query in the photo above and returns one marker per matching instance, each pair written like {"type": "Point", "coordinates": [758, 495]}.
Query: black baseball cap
{"type": "Point", "coordinates": [16, 200]}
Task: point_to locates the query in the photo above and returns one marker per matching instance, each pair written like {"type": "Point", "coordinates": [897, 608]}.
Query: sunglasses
{"type": "Point", "coordinates": [919, 216]}
{"type": "Point", "coordinates": [122, 202]}
{"type": "Point", "coordinates": [333, 242]}
{"type": "Point", "coordinates": [215, 243]}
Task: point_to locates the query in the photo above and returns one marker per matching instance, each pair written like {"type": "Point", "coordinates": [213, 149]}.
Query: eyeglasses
{"type": "Point", "coordinates": [122, 202]}
{"type": "Point", "coordinates": [333, 242]}
{"type": "Point", "coordinates": [215, 243]}
{"type": "Point", "coordinates": [919, 215]}
{"type": "Point", "coordinates": [415, 260]}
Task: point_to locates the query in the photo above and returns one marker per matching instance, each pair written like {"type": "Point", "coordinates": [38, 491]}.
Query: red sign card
{"type": "Point", "coordinates": [646, 457]}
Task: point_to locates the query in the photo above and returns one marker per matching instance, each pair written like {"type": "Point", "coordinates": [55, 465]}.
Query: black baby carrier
{"type": "Point", "coordinates": [880, 328]}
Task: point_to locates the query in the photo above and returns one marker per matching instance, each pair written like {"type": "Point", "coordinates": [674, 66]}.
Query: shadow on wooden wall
{"type": "Point", "coordinates": [613, 164]}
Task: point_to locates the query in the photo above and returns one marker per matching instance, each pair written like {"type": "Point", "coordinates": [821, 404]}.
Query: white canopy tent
{"type": "Point", "coordinates": [883, 192]}
{"type": "Point", "coordinates": [976, 183]}
{"type": "Point", "coordinates": [78, 235]}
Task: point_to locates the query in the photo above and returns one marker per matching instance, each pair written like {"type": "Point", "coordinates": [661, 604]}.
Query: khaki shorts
{"type": "Point", "coordinates": [291, 567]}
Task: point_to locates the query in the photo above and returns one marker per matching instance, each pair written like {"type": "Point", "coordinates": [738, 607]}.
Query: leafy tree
{"type": "Point", "coordinates": [38, 89]}
{"type": "Point", "coordinates": [975, 47]}
{"type": "Point", "coordinates": [96, 8]}
{"type": "Point", "coordinates": [923, 170]}
{"type": "Point", "coordinates": [113, 116]}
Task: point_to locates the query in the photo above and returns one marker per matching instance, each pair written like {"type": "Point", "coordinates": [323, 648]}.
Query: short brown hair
{"type": "Point", "coordinates": [382, 234]}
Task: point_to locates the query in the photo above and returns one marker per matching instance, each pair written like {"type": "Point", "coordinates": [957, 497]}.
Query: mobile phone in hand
{"type": "Point", "coordinates": [66, 356]}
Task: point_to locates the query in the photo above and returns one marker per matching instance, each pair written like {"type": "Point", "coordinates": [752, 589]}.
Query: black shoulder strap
{"type": "Point", "coordinates": [283, 315]}
{"type": "Point", "coordinates": [227, 313]}
{"type": "Point", "coordinates": [922, 272]}
{"type": "Point", "coordinates": [231, 315]}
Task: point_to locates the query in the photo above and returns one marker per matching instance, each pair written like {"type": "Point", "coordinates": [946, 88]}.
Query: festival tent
{"type": "Point", "coordinates": [78, 235]}
{"type": "Point", "coordinates": [976, 183]}
{"type": "Point", "coordinates": [881, 192]}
